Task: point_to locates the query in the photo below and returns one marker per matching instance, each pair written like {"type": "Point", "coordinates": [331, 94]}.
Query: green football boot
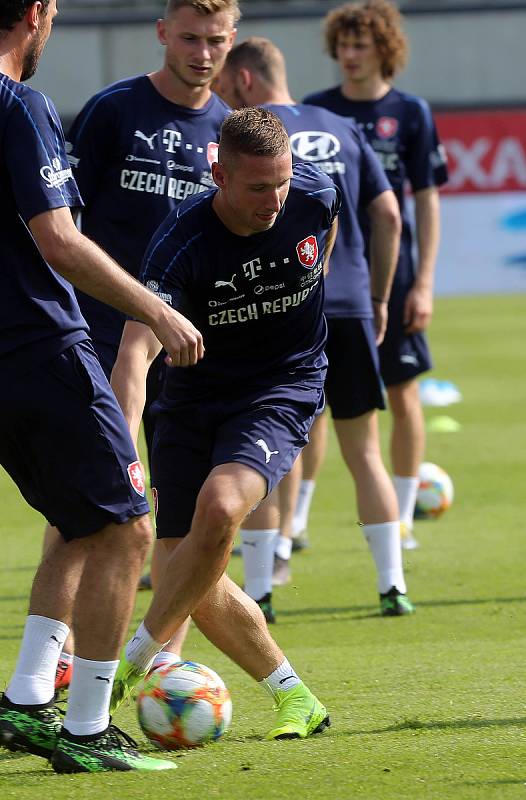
{"type": "Point", "coordinates": [395, 604]}
{"type": "Point", "coordinates": [265, 604]}
{"type": "Point", "coordinates": [34, 729]}
{"type": "Point", "coordinates": [126, 678]}
{"type": "Point", "coordinates": [103, 752]}
{"type": "Point", "coordinates": [300, 714]}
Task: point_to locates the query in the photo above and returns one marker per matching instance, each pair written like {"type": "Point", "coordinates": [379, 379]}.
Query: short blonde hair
{"type": "Point", "coordinates": [206, 7]}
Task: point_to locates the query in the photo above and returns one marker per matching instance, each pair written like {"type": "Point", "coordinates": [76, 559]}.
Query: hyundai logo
{"type": "Point", "coordinates": [314, 145]}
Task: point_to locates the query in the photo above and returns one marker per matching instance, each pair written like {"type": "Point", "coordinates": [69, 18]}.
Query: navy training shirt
{"type": "Point", "coordinates": [39, 314]}
{"type": "Point", "coordinates": [401, 130]}
{"type": "Point", "coordinates": [257, 300]}
{"type": "Point", "coordinates": [136, 156]}
{"type": "Point", "coordinates": [338, 148]}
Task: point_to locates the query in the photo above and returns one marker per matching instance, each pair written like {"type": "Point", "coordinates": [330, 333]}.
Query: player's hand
{"type": "Point", "coordinates": [380, 321]}
{"type": "Point", "coordinates": [418, 309]}
{"type": "Point", "coordinates": [181, 340]}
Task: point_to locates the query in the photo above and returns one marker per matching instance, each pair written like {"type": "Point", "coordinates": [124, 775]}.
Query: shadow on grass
{"type": "Point", "coordinates": [370, 611]}
{"type": "Point", "coordinates": [452, 724]}
{"type": "Point", "coordinates": [503, 782]}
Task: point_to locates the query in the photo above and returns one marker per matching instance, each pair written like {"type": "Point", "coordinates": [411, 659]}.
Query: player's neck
{"type": "Point", "coordinates": [279, 97]}
{"type": "Point", "coordinates": [10, 65]}
{"type": "Point", "coordinates": [174, 90]}
{"type": "Point", "coordinates": [373, 88]}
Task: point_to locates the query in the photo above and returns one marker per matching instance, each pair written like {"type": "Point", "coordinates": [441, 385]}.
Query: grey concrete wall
{"type": "Point", "coordinates": [457, 58]}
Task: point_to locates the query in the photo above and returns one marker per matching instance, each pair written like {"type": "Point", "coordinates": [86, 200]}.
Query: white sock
{"type": "Point", "coordinates": [384, 543]}
{"type": "Point", "coordinates": [142, 649]}
{"type": "Point", "coordinates": [284, 547]}
{"type": "Point", "coordinates": [33, 681]}
{"type": "Point", "coordinates": [301, 513]}
{"type": "Point", "coordinates": [66, 658]}
{"type": "Point", "coordinates": [89, 696]}
{"type": "Point", "coordinates": [165, 658]}
{"type": "Point", "coordinates": [257, 548]}
{"type": "Point", "coordinates": [406, 490]}
{"type": "Point", "coordinates": [283, 678]}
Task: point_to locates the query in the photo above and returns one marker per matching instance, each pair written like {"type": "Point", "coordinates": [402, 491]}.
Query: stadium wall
{"type": "Point", "coordinates": [463, 61]}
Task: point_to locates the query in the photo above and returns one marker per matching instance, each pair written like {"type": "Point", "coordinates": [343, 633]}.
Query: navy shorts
{"type": "Point", "coordinates": [106, 351]}
{"type": "Point", "coordinates": [353, 385]}
{"type": "Point", "coordinates": [66, 445]}
{"type": "Point", "coordinates": [403, 356]}
{"type": "Point", "coordinates": [261, 431]}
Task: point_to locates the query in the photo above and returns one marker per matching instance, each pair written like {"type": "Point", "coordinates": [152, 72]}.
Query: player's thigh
{"type": "Point", "coordinates": [353, 385]}
{"type": "Point", "coordinates": [181, 463]}
{"type": "Point", "coordinates": [268, 436]}
{"type": "Point", "coordinates": [65, 443]}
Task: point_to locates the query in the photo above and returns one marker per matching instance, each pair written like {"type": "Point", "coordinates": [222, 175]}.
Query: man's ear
{"type": "Point", "coordinates": [34, 16]}
{"type": "Point", "coordinates": [219, 174]}
{"type": "Point", "coordinates": [245, 78]}
{"type": "Point", "coordinates": [161, 31]}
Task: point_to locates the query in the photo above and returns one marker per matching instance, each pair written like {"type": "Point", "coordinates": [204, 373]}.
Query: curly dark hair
{"type": "Point", "coordinates": [12, 11]}
{"type": "Point", "coordinates": [382, 20]}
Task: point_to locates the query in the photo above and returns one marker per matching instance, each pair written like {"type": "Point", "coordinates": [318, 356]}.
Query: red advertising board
{"type": "Point", "coordinates": [486, 150]}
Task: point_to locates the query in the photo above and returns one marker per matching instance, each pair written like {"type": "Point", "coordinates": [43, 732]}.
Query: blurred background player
{"type": "Point", "coordinates": [368, 42]}
{"type": "Point", "coordinates": [227, 431]}
{"type": "Point", "coordinates": [255, 74]}
{"type": "Point", "coordinates": [63, 438]}
{"type": "Point", "coordinates": [137, 149]}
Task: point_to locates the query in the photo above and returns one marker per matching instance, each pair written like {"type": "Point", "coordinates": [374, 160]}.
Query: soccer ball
{"type": "Point", "coordinates": [183, 705]}
{"type": "Point", "coordinates": [435, 492]}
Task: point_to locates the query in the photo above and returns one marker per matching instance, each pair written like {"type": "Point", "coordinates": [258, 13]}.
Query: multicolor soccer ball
{"type": "Point", "coordinates": [435, 492]}
{"type": "Point", "coordinates": [184, 705]}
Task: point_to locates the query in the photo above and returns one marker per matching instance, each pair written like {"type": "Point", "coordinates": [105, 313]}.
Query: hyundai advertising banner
{"type": "Point", "coordinates": [483, 207]}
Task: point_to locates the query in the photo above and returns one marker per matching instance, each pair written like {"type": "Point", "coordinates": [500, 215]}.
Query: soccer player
{"type": "Point", "coordinates": [255, 73]}
{"type": "Point", "coordinates": [63, 438]}
{"type": "Point", "coordinates": [368, 42]}
{"type": "Point", "coordinates": [246, 262]}
{"type": "Point", "coordinates": [142, 145]}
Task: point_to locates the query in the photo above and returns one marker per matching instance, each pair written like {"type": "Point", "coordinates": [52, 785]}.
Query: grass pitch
{"type": "Point", "coordinates": [430, 706]}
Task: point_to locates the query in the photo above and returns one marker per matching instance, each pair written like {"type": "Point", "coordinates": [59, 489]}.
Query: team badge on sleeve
{"type": "Point", "coordinates": [386, 127]}
{"type": "Point", "coordinates": [307, 251]}
{"type": "Point", "coordinates": [155, 498]}
{"type": "Point", "coordinates": [136, 476]}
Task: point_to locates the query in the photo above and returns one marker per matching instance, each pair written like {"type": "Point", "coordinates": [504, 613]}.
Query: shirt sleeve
{"type": "Point", "coordinates": [426, 160]}
{"type": "Point", "coordinates": [91, 143]}
{"type": "Point", "coordinates": [40, 174]}
{"type": "Point", "coordinates": [167, 268]}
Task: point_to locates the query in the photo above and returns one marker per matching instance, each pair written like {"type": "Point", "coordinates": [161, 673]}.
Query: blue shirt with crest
{"type": "Point", "coordinates": [401, 130]}
{"type": "Point", "coordinates": [136, 156]}
{"type": "Point", "coordinates": [338, 148]}
{"type": "Point", "coordinates": [257, 300]}
{"type": "Point", "coordinates": [39, 314]}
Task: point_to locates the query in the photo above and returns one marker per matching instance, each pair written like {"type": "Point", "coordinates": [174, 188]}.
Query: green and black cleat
{"type": "Point", "coordinates": [103, 752]}
{"type": "Point", "coordinates": [395, 604]}
{"type": "Point", "coordinates": [33, 729]}
{"type": "Point", "coordinates": [265, 604]}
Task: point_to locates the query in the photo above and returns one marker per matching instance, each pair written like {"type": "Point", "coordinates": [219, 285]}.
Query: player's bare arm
{"type": "Point", "coordinates": [138, 348]}
{"type": "Point", "coordinates": [419, 304]}
{"type": "Point", "coordinates": [386, 227]}
{"type": "Point", "coordinates": [88, 268]}
{"type": "Point", "coordinates": [329, 245]}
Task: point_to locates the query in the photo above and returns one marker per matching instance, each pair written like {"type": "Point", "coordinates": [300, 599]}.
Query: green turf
{"type": "Point", "coordinates": [431, 706]}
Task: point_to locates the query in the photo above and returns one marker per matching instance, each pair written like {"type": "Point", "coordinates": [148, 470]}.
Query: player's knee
{"type": "Point", "coordinates": [140, 538]}
{"type": "Point", "coordinates": [219, 518]}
